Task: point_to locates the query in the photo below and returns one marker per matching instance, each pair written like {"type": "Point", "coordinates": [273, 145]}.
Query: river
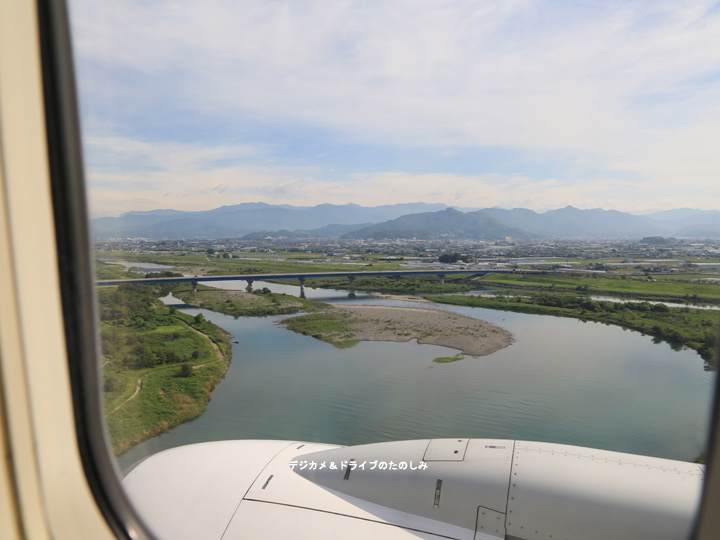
{"type": "Point", "coordinates": [561, 380]}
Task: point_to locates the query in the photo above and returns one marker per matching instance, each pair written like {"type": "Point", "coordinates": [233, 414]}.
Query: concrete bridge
{"type": "Point", "coordinates": [251, 278]}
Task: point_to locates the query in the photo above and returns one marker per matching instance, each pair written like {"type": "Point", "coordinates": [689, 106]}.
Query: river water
{"type": "Point", "coordinates": [561, 380]}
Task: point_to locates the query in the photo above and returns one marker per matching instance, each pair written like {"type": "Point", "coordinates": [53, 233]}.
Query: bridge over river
{"type": "Point", "coordinates": [250, 278]}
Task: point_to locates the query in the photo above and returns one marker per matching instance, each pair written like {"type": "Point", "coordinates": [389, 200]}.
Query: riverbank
{"type": "Point", "coordinates": [159, 365]}
{"type": "Point", "coordinates": [253, 303]}
{"type": "Point", "coordinates": [659, 289]}
{"type": "Point", "coordinates": [680, 327]}
{"type": "Point", "coordinates": [402, 285]}
{"type": "Point", "coordinates": [344, 326]}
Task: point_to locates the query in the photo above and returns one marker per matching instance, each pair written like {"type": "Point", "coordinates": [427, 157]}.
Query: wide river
{"type": "Point", "coordinates": [561, 380]}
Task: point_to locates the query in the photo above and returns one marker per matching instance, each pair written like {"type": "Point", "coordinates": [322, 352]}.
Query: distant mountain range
{"type": "Point", "coordinates": [241, 219]}
{"type": "Point", "coordinates": [256, 221]}
{"type": "Point", "coordinates": [448, 223]}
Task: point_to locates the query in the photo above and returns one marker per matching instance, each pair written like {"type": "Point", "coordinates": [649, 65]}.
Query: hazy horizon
{"type": "Point", "coordinates": [460, 208]}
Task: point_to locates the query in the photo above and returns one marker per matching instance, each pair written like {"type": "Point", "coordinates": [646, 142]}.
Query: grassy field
{"type": "Point", "coordinates": [665, 288]}
{"type": "Point", "coordinates": [202, 264]}
{"type": "Point", "coordinates": [411, 286]}
{"type": "Point", "coordinates": [332, 327]}
{"type": "Point", "coordinates": [165, 400]}
{"type": "Point", "coordinates": [244, 304]}
{"type": "Point", "coordinates": [175, 355]}
{"type": "Point", "coordinates": [112, 271]}
{"type": "Point", "coordinates": [681, 327]}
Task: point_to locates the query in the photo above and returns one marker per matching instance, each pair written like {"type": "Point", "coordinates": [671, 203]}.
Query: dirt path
{"type": "Point", "coordinates": [220, 355]}
{"type": "Point", "coordinates": [207, 364]}
{"type": "Point", "coordinates": [138, 386]}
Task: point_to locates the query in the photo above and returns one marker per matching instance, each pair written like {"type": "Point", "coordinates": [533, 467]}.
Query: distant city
{"type": "Point", "coordinates": [650, 255]}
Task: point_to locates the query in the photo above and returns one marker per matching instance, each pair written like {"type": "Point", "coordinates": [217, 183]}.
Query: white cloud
{"type": "Point", "coordinates": [626, 85]}
{"type": "Point", "coordinates": [195, 186]}
{"type": "Point", "coordinates": [132, 153]}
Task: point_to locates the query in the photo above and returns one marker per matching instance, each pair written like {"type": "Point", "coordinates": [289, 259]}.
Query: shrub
{"type": "Point", "coordinates": [186, 370]}
{"type": "Point", "coordinates": [112, 383]}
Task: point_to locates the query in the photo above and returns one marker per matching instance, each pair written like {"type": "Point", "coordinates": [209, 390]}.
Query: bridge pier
{"type": "Point", "coordinates": [396, 274]}
{"type": "Point", "coordinates": [249, 285]}
{"type": "Point", "coordinates": [302, 287]}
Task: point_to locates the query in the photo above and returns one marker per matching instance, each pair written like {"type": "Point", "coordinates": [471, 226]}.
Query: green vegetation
{"type": "Point", "coordinates": [410, 286]}
{"type": "Point", "coordinates": [668, 288]}
{"type": "Point", "coordinates": [448, 359]}
{"type": "Point", "coordinates": [333, 328]}
{"type": "Point", "coordinates": [165, 273]}
{"type": "Point", "coordinates": [693, 328]}
{"type": "Point", "coordinates": [159, 365]}
{"type": "Point", "coordinates": [104, 270]}
{"type": "Point", "coordinates": [259, 303]}
{"type": "Point", "coordinates": [201, 264]}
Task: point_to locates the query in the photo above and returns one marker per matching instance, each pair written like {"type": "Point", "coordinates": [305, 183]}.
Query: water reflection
{"type": "Point", "coordinates": [561, 380]}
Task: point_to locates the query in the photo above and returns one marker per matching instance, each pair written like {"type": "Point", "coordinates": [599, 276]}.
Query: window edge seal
{"type": "Point", "coordinates": [75, 269]}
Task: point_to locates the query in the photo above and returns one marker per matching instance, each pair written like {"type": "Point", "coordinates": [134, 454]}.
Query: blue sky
{"type": "Point", "coordinates": [514, 103]}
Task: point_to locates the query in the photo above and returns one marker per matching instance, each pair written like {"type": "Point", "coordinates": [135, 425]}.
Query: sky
{"type": "Point", "coordinates": [514, 103]}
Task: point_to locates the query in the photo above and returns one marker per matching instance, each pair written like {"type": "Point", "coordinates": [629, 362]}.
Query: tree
{"type": "Point", "coordinates": [199, 318]}
{"type": "Point", "coordinates": [186, 370]}
{"type": "Point", "coordinates": [450, 258]}
{"type": "Point", "coordinates": [147, 358]}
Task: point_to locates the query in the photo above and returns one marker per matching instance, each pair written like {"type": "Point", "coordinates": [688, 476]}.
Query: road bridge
{"type": "Point", "coordinates": [251, 278]}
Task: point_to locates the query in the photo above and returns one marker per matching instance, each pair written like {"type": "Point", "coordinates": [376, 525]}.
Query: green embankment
{"type": "Point", "coordinates": [259, 303]}
{"type": "Point", "coordinates": [175, 355]}
{"type": "Point", "coordinates": [104, 270]}
{"type": "Point", "coordinates": [203, 264]}
{"type": "Point", "coordinates": [409, 286]}
{"type": "Point", "coordinates": [668, 288]}
{"type": "Point", "coordinates": [693, 328]}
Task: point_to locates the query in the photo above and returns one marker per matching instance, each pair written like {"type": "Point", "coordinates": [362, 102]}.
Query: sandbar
{"type": "Point", "coordinates": [433, 326]}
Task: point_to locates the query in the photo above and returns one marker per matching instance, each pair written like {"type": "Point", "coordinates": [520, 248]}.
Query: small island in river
{"type": "Point", "coordinates": [344, 326]}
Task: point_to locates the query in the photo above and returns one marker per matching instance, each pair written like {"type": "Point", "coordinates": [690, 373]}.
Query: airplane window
{"type": "Point", "coordinates": [439, 270]}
